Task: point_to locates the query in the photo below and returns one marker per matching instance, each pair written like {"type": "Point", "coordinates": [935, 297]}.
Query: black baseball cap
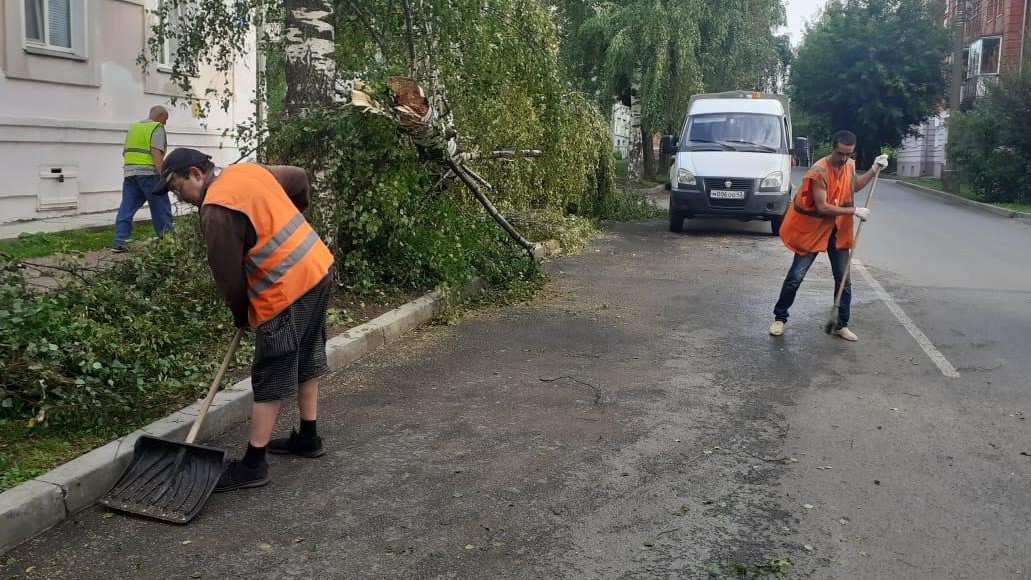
{"type": "Point", "coordinates": [178, 160]}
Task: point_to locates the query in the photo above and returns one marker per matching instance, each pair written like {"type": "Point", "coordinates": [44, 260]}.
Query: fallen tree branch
{"type": "Point", "coordinates": [503, 154]}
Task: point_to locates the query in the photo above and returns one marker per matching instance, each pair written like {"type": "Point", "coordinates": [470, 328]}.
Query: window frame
{"type": "Point", "coordinates": [166, 60]}
{"type": "Point", "coordinates": [974, 68]}
{"type": "Point", "coordinates": [77, 19]}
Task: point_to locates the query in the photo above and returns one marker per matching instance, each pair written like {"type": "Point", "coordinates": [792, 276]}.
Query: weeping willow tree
{"type": "Point", "coordinates": [654, 54]}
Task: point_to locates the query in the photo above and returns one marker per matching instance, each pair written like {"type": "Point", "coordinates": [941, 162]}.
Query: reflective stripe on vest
{"type": "Point", "coordinates": [277, 240]}
{"type": "Point", "coordinates": [137, 143]}
{"type": "Point", "coordinates": [266, 281]}
{"type": "Point", "coordinates": [288, 258]}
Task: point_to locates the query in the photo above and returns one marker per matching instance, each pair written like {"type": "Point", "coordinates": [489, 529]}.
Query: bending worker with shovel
{"type": "Point", "coordinates": [820, 219]}
{"type": "Point", "coordinates": [276, 276]}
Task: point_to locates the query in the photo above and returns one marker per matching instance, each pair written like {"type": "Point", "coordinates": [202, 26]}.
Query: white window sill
{"type": "Point", "coordinates": [59, 53]}
{"type": "Point", "coordinates": [164, 68]}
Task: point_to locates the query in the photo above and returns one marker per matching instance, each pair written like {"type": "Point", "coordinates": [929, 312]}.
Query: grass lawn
{"type": "Point", "coordinates": [28, 246]}
{"type": "Point", "coordinates": [622, 172]}
{"type": "Point", "coordinates": [25, 455]}
{"type": "Point", "coordinates": [621, 169]}
{"type": "Point", "coordinates": [966, 192]}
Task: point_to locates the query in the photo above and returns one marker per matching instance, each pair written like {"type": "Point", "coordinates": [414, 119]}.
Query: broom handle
{"type": "Point", "coordinates": [855, 246]}
{"type": "Point", "coordinates": [214, 386]}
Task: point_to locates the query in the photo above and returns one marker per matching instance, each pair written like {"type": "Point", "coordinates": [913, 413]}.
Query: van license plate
{"type": "Point", "coordinates": [726, 194]}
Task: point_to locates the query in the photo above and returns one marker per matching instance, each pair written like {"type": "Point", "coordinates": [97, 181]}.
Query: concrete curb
{"type": "Point", "coordinates": [38, 504]}
{"type": "Point", "coordinates": [953, 198]}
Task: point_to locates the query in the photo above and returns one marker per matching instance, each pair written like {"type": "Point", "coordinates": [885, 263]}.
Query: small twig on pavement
{"type": "Point", "coordinates": [597, 391]}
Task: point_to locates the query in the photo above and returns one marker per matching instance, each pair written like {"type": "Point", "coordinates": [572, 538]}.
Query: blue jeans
{"type": "Point", "coordinates": [799, 267]}
{"type": "Point", "coordinates": [136, 191]}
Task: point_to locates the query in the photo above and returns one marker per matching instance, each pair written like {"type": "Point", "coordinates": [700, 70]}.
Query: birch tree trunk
{"type": "Point", "coordinates": [309, 46]}
{"type": "Point", "coordinates": [634, 162]}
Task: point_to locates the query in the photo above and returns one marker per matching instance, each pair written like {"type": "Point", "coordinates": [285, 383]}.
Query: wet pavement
{"type": "Point", "coordinates": [635, 420]}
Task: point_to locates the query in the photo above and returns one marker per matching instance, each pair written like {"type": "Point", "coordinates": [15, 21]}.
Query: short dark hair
{"type": "Point", "coordinates": [846, 138]}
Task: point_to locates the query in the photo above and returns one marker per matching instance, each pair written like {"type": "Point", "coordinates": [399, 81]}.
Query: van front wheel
{"type": "Point", "coordinates": [676, 222]}
{"type": "Point", "coordinates": [775, 222]}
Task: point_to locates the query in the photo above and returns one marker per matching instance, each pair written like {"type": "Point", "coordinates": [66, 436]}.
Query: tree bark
{"type": "Point", "coordinates": [310, 45]}
{"type": "Point", "coordinates": [634, 160]}
{"type": "Point", "coordinates": [648, 157]}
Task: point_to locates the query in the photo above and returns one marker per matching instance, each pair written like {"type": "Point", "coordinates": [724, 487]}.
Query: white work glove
{"type": "Point", "coordinates": [881, 162]}
{"type": "Point", "coordinates": [862, 213]}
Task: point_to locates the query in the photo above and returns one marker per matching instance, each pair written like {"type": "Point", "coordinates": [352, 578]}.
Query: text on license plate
{"type": "Point", "coordinates": [726, 194]}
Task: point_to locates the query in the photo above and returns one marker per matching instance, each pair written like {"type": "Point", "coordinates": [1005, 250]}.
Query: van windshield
{"type": "Point", "coordinates": [734, 132]}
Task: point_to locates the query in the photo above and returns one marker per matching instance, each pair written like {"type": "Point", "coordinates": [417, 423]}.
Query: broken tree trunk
{"type": "Point", "coordinates": [431, 127]}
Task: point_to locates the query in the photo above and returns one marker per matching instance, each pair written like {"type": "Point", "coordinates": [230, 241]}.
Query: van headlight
{"type": "Point", "coordinates": [773, 182]}
{"type": "Point", "coordinates": [685, 177]}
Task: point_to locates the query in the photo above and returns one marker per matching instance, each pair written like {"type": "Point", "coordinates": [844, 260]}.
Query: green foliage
{"type": "Point", "coordinates": [874, 67]}
{"type": "Point", "coordinates": [120, 344]}
{"type": "Point", "coordinates": [992, 144]}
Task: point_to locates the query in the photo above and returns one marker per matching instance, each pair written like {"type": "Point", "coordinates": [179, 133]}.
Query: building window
{"type": "Point", "coordinates": [984, 57]}
{"type": "Point", "coordinates": [170, 46]}
{"type": "Point", "coordinates": [55, 27]}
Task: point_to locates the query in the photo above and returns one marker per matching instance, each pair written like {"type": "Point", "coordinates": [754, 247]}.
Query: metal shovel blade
{"type": "Point", "coordinates": [167, 480]}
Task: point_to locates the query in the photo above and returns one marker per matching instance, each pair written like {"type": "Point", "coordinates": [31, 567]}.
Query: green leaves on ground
{"type": "Point", "coordinates": [119, 344]}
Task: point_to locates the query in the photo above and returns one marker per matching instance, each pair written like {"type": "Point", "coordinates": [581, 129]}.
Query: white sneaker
{"type": "Point", "coordinates": [846, 334]}
{"type": "Point", "coordinates": [777, 328]}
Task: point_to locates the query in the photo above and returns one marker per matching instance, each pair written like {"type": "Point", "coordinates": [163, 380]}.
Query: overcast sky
{"type": "Point", "coordinates": [799, 11]}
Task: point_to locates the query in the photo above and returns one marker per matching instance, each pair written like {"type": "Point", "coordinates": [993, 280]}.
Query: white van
{"type": "Point", "coordinates": [732, 159]}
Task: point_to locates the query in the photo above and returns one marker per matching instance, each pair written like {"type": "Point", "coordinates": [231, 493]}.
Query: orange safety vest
{"type": "Point", "coordinates": [806, 231]}
{"type": "Point", "coordinates": [288, 258]}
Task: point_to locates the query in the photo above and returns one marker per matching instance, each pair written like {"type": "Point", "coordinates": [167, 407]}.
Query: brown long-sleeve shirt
{"type": "Point", "coordinates": [229, 236]}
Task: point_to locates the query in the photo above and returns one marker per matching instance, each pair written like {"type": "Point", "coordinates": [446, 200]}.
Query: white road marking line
{"type": "Point", "coordinates": [925, 343]}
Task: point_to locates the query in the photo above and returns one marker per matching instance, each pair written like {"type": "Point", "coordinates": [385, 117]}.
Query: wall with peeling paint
{"type": "Point", "coordinates": [63, 117]}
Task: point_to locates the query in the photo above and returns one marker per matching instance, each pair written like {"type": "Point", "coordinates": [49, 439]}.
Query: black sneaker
{"type": "Point", "coordinates": [117, 249]}
{"type": "Point", "coordinates": [297, 445]}
{"type": "Point", "coordinates": [238, 476]}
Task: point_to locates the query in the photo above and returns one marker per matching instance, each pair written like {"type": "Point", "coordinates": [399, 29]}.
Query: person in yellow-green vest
{"type": "Point", "coordinates": [142, 157]}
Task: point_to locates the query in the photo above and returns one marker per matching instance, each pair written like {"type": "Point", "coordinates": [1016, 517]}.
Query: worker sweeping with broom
{"type": "Point", "coordinates": [821, 219]}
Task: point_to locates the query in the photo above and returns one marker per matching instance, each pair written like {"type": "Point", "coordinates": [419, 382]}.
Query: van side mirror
{"type": "Point", "coordinates": [668, 145]}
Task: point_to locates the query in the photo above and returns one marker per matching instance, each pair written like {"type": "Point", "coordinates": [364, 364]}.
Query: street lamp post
{"type": "Point", "coordinates": [951, 174]}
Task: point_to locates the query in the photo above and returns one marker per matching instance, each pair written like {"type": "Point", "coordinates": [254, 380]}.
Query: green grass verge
{"type": "Point", "coordinates": [38, 245]}
{"type": "Point", "coordinates": [967, 192]}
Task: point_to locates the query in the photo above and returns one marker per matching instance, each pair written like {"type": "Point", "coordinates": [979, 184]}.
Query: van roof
{"type": "Point", "coordinates": [741, 102]}
{"type": "Point", "coordinates": [763, 106]}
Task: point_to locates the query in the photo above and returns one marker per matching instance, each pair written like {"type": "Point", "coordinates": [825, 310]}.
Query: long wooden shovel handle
{"type": "Point", "coordinates": [855, 246]}
{"type": "Point", "coordinates": [214, 386]}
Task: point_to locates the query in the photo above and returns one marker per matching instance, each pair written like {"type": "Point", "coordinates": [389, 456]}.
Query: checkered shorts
{"type": "Point", "coordinates": [290, 348]}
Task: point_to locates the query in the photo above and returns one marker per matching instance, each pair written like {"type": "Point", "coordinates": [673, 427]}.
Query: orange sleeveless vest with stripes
{"type": "Point", "coordinates": [288, 258]}
{"type": "Point", "coordinates": [805, 230]}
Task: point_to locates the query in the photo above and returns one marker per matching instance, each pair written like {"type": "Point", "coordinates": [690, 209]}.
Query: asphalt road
{"type": "Point", "coordinates": [635, 420]}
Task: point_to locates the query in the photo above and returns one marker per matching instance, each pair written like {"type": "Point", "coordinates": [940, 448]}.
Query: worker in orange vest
{"type": "Point", "coordinates": [276, 276]}
{"type": "Point", "coordinates": [820, 219]}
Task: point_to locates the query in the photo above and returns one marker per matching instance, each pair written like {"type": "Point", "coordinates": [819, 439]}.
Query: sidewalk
{"type": "Point", "coordinates": [960, 200]}
{"type": "Point", "coordinates": [81, 221]}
